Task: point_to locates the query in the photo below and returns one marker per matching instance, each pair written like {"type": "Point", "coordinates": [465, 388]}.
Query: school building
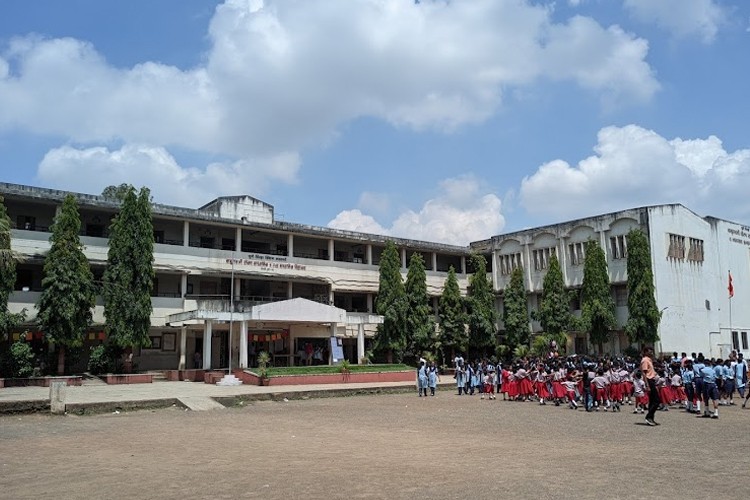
{"type": "Point", "coordinates": [281, 287]}
{"type": "Point", "coordinates": [691, 258]}
{"type": "Point", "coordinates": [288, 288]}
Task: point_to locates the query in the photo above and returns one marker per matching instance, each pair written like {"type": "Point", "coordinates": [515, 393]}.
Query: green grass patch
{"type": "Point", "coordinates": [317, 370]}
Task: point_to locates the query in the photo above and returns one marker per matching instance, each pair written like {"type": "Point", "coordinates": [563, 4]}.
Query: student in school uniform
{"type": "Point", "coordinates": [570, 385]}
{"type": "Point", "coordinates": [639, 393]}
{"type": "Point", "coordinates": [710, 391]}
{"type": "Point", "coordinates": [433, 377]}
{"type": "Point", "coordinates": [422, 377]}
{"type": "Point", "coordinates": [600, 384]}
{"type": "Point", "coordinates": [728, 375]}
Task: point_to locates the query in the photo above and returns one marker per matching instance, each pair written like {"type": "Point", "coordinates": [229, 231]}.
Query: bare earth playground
{"type": "Point", "coordinates": [378, 446]}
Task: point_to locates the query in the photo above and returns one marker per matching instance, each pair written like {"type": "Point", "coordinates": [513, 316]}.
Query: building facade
{"type": "Point", "coordinates": [280, 286]}
{"type": "Point", "coordinates": [691, 258]}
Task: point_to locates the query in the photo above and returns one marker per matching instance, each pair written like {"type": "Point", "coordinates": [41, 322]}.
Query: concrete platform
{"type": "Point", "coordinates": [103, 398]}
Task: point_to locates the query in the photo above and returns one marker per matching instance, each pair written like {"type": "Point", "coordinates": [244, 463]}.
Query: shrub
{"type": "Point", "coordinates": [105, 358]}
{"type": "Point", "coordinates": [21, 359]}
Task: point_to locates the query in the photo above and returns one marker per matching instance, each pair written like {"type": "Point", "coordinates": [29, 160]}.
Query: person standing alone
{"type": "Point", "coordinates": [649, 375]}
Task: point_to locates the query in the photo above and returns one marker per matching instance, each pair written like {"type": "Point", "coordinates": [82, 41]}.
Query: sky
{"type": "Point", "coordinates": [440, 120]}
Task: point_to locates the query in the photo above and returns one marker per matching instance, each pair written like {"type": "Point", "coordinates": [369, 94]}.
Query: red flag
{"type": "Point", "coordinates": [731, 286]}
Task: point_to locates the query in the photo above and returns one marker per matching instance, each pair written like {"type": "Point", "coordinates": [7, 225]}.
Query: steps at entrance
{"type": "Point", "coordinates": [200, 403]}
{"type": "Point", "coordinates": [228, 380]}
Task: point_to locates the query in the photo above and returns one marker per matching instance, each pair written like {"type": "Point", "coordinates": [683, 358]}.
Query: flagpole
{"type": "Point", "coordinates": [731, 294]}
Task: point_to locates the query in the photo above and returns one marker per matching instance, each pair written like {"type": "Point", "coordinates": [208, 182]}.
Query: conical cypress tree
{"type": "Point", "coordinates": [481, 305]}
{"type": "Point", "coordinates": [420, 324]}
{"type": "Point", "coordinates": [453, 335]}
{"type": "Point", "coordinates": [597, 306]}
{"type": "Point", "coordinates": [644, 316]}
{"type": "Point", "coordinates": [516, 311]}
{"type": "Point", "coordinates": [392, 305]}
{"type": "Point", "coordinates": [68, 293]}
{"type": "Point", "coordinates": [129, 277]}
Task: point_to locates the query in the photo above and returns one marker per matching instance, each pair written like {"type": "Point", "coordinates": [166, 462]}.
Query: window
{"type": "Point", "coordinates": [158, 236]}
{"type": "Point", "coordinates": [736, 341]}
{"type": "Point", "coordinates": [621, 296]}
{"type": "Point", "coordinates": [542, 257]}
{"type": "Point", "coordinates": [744, 341]}
{"type": "Point", "coordinates": [618, 247]}
{"type": "Point", "coordinates": [577, 253]}
{"type": "Point", "coordinates": [509, 262]}
{"type": "Point", "coordinates": [676, 247]}
{"type": "Point", "coordinates": [695, 253]}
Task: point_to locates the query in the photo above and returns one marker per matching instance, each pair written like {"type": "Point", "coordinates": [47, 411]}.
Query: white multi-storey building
{"type": "Point", "coordinates": [691, 258]}
{"type": "Point", "coordinates": [291, 284]}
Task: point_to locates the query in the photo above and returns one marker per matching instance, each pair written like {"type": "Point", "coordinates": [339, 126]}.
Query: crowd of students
{"type": "Point", "coordinates": [606, 383]}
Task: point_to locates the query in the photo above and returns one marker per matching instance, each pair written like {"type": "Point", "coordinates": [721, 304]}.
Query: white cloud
{"type": "Point", "coordinates": [380, 203]}
{"type": "Point", "coordinates": [459, 214]}
{"type": "Point", "coordinates": [633, 167]}
{"type": "Point", "coordinates": [282, 75]}
{"type": "Point", "coordinates": [682, 18]}
{"type": "Point", "coordinates": [91, 170]}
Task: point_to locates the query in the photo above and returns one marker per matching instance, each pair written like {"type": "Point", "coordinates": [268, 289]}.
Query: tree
{"type": "Point", "coordinates": [597, 306]}
{"type": "Point", "coordinates": [420, 325]}
{"type": "Point", "coordinates": [129, 276]}
{"type": "Point", "coordinates": [481, 307]}
{"type": "Point", "coordinates": [8, 260]}
{"type": "Point", "coordinates": [117, 193]}
{"type": "Point", "coordinates": [554, 311]}
{"type": "Point", "coordinates": [453, 335]}
{"type": "Point", "coordinates": [68, 293]}
{"type": "Point", "coordinates": [391, 304]}
{"type": "Point", "coordinates": [516, 311]}
{"type": "Point", "coordinates": [644, 317]}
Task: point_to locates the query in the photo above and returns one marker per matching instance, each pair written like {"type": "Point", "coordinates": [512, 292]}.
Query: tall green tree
{"type": "Point", "coordinates": [117, 193]}
{"type": "Point", "coordinates": [129, 276]}
{"type": "Point", "coordinates": [392, 305]}
{"type": "Point", "coordinates": [481, 308]}
{"type": "Point", "coordinates": [554, 311]}
{"type": "Point", "coordinates": [453, 334]}
{"type": "Point", "coordinates": [420, 323]}
{"type": "Point", "coordinates": [516, 312]}
{"type": "Point", "coordinates": [644, 316]}
{"type": "Point", "coordinates": [597, 307]}
{"type": "Point", "coordinates": [68, 292]}
{"type": "Point", "coordinates": [8, 260]}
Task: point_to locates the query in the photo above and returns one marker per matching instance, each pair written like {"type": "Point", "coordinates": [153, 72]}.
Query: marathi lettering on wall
{"type": "Point", "coordinates": [741, 235]}
{"type": "Point", "coordinates": [266, 262]}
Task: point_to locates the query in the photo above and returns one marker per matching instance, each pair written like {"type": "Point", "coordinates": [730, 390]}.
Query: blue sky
{"type": "Point", "coordinates": [443, 121]}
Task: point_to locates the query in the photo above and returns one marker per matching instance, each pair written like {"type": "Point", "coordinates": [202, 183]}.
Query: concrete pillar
{"type": "Point", "coordinates": [330, 249]}
{"type": "Point", "coordinates": [330, 350]}
{"type": "Point", "coordinates": [57, 392]}
{"type": "Point", "coordinates": [186, 234]}
{"type": "Point", "coordinates": [238, 240]}
{"type": "Point", "coordinates": [434, 261]}
{"type": "Point", "coordinates": [237, 288]}
{"type": "Point", "coordinates": [527, 267]}
{"type": "Point", "coordinates": [369, 254]}
{"type": "Point", "coordinates": [403, 258]}
{"type": "Point", "coordinates": [562, 257]}
{"type": "Point", "coordinates": [330, 296]}
{"type": "Point", "coordinates": [207, 334]}
{"type": "Point", "coordinates": [370, 307]}
{"type": "Point", "coordinates": [463, 264]}
{"type": "Point", "coordinates": [289, 290]}
{"type": "Point", "coordinates": [243, 344]}
{"type": "Point", "coordinates": [360, 342]}
{"type": "Point", "coordinates": [183, 349]}
{"type": "Point", "coordinates": [290, 245]}
{"type": "Point", "coordinates": [183, 284]}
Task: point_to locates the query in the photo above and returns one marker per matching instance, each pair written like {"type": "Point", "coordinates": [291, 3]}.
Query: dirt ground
{"type": "Point", "coordinates": [383, 446]}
